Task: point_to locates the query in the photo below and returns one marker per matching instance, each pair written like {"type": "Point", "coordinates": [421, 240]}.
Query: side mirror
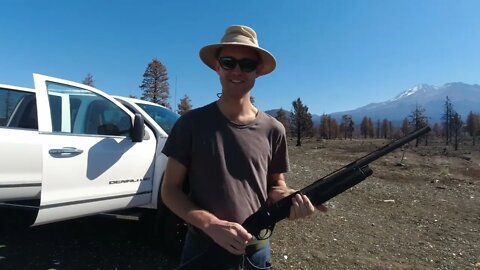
{"type": "Point", "coordinates": [138, 129]}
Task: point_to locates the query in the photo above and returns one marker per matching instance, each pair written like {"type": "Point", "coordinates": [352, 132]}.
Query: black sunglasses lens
{"type": "Point", "coordinates": [227, 63]}
{"type": "Point", "coordinates": [246, 65]}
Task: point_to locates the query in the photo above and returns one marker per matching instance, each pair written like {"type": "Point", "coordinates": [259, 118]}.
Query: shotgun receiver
{"type": "Point", "coordinates": [320, 191]}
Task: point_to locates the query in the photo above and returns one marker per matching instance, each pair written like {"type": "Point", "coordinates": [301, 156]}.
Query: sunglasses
{"type": "Point", "coordinates": [229, 63]}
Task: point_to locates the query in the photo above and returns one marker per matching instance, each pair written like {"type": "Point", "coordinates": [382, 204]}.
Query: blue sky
{"type": "Point", "coordinates": [335, 55]}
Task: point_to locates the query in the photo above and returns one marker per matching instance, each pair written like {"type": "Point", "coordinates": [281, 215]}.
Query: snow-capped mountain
{"type": "Point", "coordinates": [464, 97]}
{"type": "Point", "coordinates": [416, 90]}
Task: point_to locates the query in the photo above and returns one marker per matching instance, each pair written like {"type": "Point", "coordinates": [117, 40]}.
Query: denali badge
{"type": "Point", "coordinates": [128, 181]}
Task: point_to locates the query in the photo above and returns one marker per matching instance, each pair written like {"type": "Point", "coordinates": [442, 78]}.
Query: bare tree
{"type": "Point", "coordinates": [473, 125]}
{"type": "Point", "coordinates": [328, 128]}
{"type": "Point", "coordinates": [283, 118]}
{"type": "Point", "coordinates": [456, 127]}
{"type": "Point", "coordinates": [155, 87]}
{"type": "Point", "coordinates": [324, 128]}
{"type": "Point", "coordinates": [366, 127]}
{"type": "Point", "coordinates": [371, 130]}
{"type": "Point", "coordinates": [377, 132]}
{"type": "Point", "coordinates": [418, 120]}
{"type": "Point", "coordinates": [405, 126]}
{"type": "Point", "coordinates": [334, 128]}
{"type": "Point", "coordinates": [386, 128]}
{"type": "Point", "coordinates": [447, 117]}
{"type": "Point", "coordinates": [437, 130]}
{"type": "Point", "coordinates": [390, 128]}
{"type": "Point", "coordinates": [347, 126]}
{"type": "Point", "coordinates": [89, 80]}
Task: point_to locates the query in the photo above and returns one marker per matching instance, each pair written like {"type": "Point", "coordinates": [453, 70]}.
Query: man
{"type": "Point", "coordinates": [232, 155]}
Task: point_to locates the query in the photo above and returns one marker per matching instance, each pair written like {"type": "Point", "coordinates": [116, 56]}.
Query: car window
{"type": "Point", "coordinates": [79, 111]}
{"type": "Point", "coordinates": [164, 117]}
{"type": "Point", "coordinates": [18, 109]}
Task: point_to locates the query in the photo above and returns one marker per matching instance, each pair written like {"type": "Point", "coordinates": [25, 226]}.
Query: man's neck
{"type": "Point", "coordinates": [238, 111]}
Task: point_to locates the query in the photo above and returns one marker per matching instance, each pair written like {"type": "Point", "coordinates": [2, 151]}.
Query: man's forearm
{"type": "Point", "coordinates": [277, 187]}
{"type": "Point", "coordinates": [180, 204]}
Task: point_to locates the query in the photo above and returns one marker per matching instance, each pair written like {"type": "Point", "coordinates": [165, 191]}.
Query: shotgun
{"type": "Point", "coordinates": [261, 223]}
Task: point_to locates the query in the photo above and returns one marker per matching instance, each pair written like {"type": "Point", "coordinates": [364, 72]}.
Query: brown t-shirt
{"type": "Point", "coordinates": [228, 163]}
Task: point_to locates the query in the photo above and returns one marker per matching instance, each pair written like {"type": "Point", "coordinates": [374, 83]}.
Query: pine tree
{"type": "Point", "coordinates": [155, 87]}
{"type": "Point", "coordinates": [301, 121]}
{"type": "Point", "coordinates": [185, 105]}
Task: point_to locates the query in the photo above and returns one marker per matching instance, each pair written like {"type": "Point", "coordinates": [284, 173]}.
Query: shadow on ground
{"type": "Point", "coordinates": [86, 243]}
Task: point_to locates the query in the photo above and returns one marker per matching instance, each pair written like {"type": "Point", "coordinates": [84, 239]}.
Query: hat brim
{"type": "Point", "coordinates": [208, 56]}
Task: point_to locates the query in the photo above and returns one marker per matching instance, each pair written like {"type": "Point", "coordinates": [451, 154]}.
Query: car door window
{"type": "Point", "coordinates": [79, 111]}
{"type": "Point", "coordinates": [163, 116]}
{"type": "Point", "coordinates": [18, 109]}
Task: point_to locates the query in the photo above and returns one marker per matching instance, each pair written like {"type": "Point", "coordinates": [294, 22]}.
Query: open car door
{"type": "Point", "coordinates": [90, 163]}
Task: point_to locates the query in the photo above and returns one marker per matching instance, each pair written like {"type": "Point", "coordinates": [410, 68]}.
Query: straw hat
{"type": "Point", "coordinates": [238, 35]}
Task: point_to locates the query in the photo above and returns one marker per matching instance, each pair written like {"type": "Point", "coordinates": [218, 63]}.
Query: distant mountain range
{"type": "Point", "coordinates": [464, 97]}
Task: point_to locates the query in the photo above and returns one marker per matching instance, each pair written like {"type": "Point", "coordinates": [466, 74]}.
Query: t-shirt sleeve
{"type": "Point", "coordinates": [279, 162]}
{"type": "Point", "coordinates": [179, 142]}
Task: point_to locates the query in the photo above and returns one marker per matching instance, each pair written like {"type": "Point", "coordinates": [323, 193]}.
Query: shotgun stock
{"type": "Point", "coordinates": [320, 191]}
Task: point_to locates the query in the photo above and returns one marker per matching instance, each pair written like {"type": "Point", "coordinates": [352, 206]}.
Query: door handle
{"type": "Point", "coordinates": [65, 151]}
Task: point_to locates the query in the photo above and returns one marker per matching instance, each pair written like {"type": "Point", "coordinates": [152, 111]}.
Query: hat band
{"type": "Point", "coordinates": [240, 40]}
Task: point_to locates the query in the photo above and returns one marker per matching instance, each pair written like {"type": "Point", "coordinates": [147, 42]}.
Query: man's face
{"type": "Point", "coordinates": [235, 82]}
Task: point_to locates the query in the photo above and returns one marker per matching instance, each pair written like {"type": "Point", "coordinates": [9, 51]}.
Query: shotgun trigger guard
{"type": "Point", "coordinates": [265, 233]}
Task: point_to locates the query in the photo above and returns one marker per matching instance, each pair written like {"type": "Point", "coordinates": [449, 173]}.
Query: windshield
{"type": "Point", "coordinates": [164, 117]}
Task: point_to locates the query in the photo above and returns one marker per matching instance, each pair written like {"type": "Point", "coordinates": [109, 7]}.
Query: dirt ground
{"type": "Point", "coordinates": [424, 214]}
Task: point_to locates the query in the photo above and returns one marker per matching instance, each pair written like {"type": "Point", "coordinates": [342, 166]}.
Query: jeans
{"type": "Point", "coordinates": [196, 243]}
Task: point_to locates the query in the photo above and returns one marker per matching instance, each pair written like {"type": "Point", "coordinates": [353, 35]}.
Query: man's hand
{"type": "Point", "coordinates": [301, 205]}
{"type": "Point", "coordinates": [229, 235]}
